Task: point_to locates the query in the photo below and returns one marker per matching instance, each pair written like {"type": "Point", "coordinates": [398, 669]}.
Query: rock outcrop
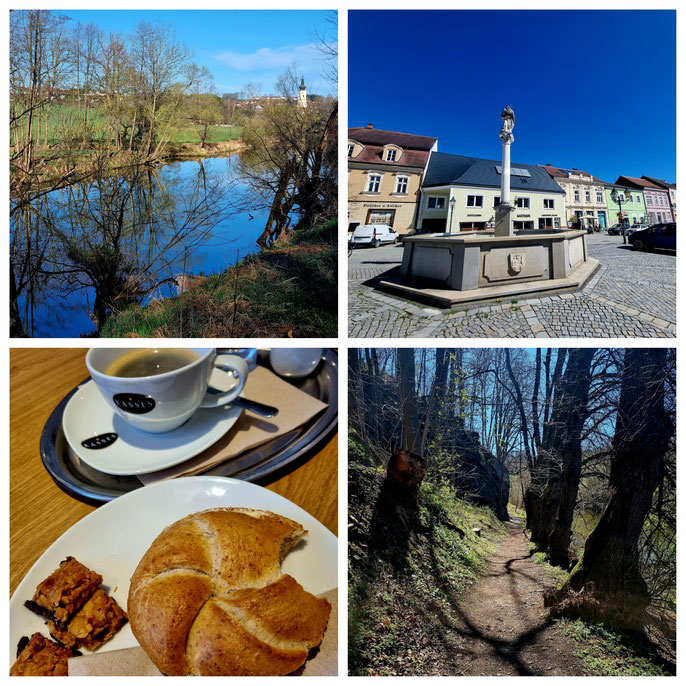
{"type": "Point", "coordinates": [479, 476]}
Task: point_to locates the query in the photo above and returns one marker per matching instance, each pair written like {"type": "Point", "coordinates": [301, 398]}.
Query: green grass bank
{"type": "Point", "coordinates": [289, 290]}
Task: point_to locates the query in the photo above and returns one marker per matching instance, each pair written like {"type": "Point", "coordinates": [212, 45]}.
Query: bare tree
{"type": "Point", "coordinates": [609, 573]}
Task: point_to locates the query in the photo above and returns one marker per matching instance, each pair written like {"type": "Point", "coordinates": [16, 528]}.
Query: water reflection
{"type": "Point", "coordinates": [82, 252]}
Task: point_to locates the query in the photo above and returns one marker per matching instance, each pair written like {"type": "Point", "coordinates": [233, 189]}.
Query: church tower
{"type": "Point", "coordinates": [302, 95]}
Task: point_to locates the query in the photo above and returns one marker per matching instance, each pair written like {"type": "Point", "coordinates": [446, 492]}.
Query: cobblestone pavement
{"type": "Point", "coordinates": [632, 295]}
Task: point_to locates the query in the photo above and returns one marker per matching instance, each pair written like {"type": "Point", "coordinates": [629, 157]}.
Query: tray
{"type": "Point", "coordinates": [82, 481]}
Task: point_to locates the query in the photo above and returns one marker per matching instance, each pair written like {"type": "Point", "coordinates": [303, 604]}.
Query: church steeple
{"type": "Point", "coordinates": [302, 94]}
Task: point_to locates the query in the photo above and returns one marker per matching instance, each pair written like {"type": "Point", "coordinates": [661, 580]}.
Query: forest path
{"type": "Point", "coordinates": [501, 625]}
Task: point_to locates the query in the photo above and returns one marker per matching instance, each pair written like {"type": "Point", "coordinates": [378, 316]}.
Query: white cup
{"type": "Point", "coordinates": [163, 402]}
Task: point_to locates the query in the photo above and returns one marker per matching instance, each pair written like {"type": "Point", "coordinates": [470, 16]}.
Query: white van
{"type": "Point", "coordinates": [374, 234]}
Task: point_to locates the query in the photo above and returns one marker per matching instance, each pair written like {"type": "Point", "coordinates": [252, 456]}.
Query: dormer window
{"type": "Point", "coordinates": [351, 149]}
{"type": "Point", "coordinates": [391, 155]}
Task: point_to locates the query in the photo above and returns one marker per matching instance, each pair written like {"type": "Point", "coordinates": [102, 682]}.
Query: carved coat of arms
{"type": "Point", "coordinates": [516, 262]}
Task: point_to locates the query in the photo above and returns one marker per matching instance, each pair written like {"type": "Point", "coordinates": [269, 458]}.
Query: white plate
{"type": "Point", "coordinates": [88, 415]}
{"type": "Point", "coordinates": [112, 539]}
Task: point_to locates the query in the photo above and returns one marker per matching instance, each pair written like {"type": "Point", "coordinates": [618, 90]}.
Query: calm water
{"type": "Point", "coordinates": [77, 249]}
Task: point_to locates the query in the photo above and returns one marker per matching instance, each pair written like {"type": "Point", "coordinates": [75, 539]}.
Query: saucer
{"type": "Point", "coordinates": [108, 443]}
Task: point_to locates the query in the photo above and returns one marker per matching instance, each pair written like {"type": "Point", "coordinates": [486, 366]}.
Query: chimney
{"type": "Point", "coordinates": [370, 126]}
{"type": "Point", "coordinates": [547, 164]}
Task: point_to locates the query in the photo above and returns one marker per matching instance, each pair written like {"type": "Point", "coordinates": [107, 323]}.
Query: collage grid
{"type": "Point", "coordinates": [372, 469]}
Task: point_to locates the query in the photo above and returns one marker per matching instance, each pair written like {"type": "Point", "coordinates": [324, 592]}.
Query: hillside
{"type": "Point", "coordinates": [402, 580]}
{"type": "Point", "coordinates": [451, 590]}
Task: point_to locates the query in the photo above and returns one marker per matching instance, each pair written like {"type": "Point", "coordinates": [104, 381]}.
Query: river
{"type": "Point", "coordinates": [76, 250]}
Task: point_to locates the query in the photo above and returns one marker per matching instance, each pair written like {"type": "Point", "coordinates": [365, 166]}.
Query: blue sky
{"type": "Point", "coordinates": [237, 46]}
{"type": "Point", "coordinates": [590, 89]}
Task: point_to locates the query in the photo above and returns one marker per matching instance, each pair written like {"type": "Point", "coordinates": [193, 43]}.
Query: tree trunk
{"type": "Point", "coordinates": [541, 497]}
{"type": "Point", "coordinates": [608, 570]}
{"type": "Point", "coordinates": [576, 387]}
{"type": "Point", "coordinates": [408, 399]}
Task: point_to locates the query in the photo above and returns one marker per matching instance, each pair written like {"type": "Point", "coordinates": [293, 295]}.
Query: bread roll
{"type": "Point", "coordinates": [208, 597]}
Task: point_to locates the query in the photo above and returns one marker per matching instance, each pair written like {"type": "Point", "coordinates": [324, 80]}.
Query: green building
{"type": "Point", "coordinates": [633, 205]}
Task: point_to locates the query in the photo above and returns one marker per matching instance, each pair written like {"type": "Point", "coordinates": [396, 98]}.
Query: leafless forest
{"type": "Point", "coordinates": [576, 444]}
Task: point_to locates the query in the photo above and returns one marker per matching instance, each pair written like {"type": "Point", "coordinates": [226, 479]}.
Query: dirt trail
{"type": "Point", "coordinates": [501, 626]}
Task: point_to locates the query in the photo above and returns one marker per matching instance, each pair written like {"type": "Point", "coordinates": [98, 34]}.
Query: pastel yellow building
{"type": "Point", "coordinates": [461, 193]}
{"type": "Point", "coordinates": [385, 171]}
{"type": "Point", "coordinates": [585, 196]}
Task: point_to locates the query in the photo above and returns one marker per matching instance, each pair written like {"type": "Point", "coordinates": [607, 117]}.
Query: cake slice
{"type": "Point", "coordinates": [63, 593]}
{"type": "Point", "coordinates": [94, 624]}
{"type": "Point", "coordinates": [39, 656]}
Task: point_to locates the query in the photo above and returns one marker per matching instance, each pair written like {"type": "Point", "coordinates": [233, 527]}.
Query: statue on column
{"type": "Point", "coordinates": [508, 117]}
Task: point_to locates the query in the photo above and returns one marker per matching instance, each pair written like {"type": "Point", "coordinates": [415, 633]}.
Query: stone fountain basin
{"type": "Point", "coordinates": [473, 260]}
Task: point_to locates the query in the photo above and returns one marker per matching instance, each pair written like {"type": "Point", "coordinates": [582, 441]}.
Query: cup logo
{"type": "Point", "coordinates": [101, 441]}
{"type": "Point", "coordinates": [134, 403]}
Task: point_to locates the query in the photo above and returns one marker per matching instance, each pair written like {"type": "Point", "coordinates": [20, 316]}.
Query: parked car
{"type": "Point", "coordinates": [639, 227]}
{"type": "Point", "coordinates": [657, 236]}
{"type": "Point", "coordinates": [617, 229]}
{"type": "Point", "coordinates": [374, 234]}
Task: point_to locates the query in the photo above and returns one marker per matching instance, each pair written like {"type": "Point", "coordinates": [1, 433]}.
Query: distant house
{"type": "Point", "coordinates": [385, 170]}
{"type": "Point", "coordinates": [632, 203]}
{"type": "Point", "coordinates": [670, 187]}
{"type": "Point", "coordinates": [658, 207]}
{"type": "Point", "coordinates": [585, 196]}
{"type": "Point", "coordinates": [461, 193]}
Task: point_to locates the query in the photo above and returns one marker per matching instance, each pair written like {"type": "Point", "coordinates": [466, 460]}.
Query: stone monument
{"type": "Point", "coordinates": [503, 212]}
{"type": "Point", "coordinates": [446, 269]}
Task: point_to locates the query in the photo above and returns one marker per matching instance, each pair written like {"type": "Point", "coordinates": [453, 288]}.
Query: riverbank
{"type": "Point", "coordinates": [176, 151]}
{"type": "Point", "coordinates": [287, 291]}
{"type": "Point", "coordinates": [80, 166]}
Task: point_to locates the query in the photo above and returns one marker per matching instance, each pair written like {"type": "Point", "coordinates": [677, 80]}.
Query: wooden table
{"type": "Point", "coordinates": [40, 511]}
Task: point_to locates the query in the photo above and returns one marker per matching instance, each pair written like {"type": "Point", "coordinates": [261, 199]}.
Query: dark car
{"type": "Point", "coordinates": [617, 229]}
{"type": "Point", "coordinates": [657, 236]}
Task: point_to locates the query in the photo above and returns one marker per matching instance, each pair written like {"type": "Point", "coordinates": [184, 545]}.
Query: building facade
{"type": "Point", "coordinates": [632, 203]}
{"type": "Point", "coordinates": [584, 195]}
{"type": "Point", "coordinates": [461, 193]}
{"type": "Point", "coordinates": [385, 170]}
{"type": "Point", "coordinates": [669, 187]}
{"type": "Point", "coordinates": [658, 208]}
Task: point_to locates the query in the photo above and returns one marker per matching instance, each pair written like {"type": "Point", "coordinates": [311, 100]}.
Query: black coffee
{"type": "Point", "coordinates": [151, 362]}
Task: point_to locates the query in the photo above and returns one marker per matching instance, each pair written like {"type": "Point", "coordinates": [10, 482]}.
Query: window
{"type": "Point", "coordinates": [557, 222]}
{"type": "Point", "coordinates": [549, 203]}
{"type": "Point", "coordinates": [401, 185]}
{"type": "Point", "coordinates": [380, 217]}
{"type": "Point", "coordinates": [577, 196]}
{"type": "Point", "coordinates": [435, 202]}
{"type": "Point", "coordinates": [475, 201]}
{"type": "Point", "coordinates": [390, 155]}
{"type": "Point", "coordinates": [659, 216]}
{"type": "Point", "coordinates": [496, 201]}
{"type": "Point", "coordinates": [524, 203]}
{"type": "Point", "coordinates": [373, 183]}
{"type": "Point", "coordinates": [598, 196]}
{"type": "Point", "coordinates": [351, 149]}
{"type": "Point", "coordinates": [545, 222]}
{"type": "Point", "coordinates": [588, 196]}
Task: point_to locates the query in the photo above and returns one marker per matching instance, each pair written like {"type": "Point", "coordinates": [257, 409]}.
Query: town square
{"type": "Point", "coordinates": [575, 237]}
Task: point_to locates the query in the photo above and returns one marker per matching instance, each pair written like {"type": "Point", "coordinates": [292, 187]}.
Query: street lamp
{"type": "Point", "coordinates": [618, 198]}
{"type": "Point", "coordinates": [452, 208]}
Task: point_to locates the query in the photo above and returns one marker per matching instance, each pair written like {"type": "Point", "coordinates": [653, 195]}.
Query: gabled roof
{"type": "Point", "coordinates": [457, 170]}
{"type": "Point", "coordinates": [659, 182]}
{"type": "Point", "coordinates": [365, 135]}
{"type": "Point", "coordinates": [373, 154]}
{"type": "Point", "coordinates": [566, 173]}
{"type": "Point", "coordinates": [637, 183]}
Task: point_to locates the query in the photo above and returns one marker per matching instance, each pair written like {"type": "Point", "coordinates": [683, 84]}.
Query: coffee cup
{"type": "Point", "coordinates": [158, 389]}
